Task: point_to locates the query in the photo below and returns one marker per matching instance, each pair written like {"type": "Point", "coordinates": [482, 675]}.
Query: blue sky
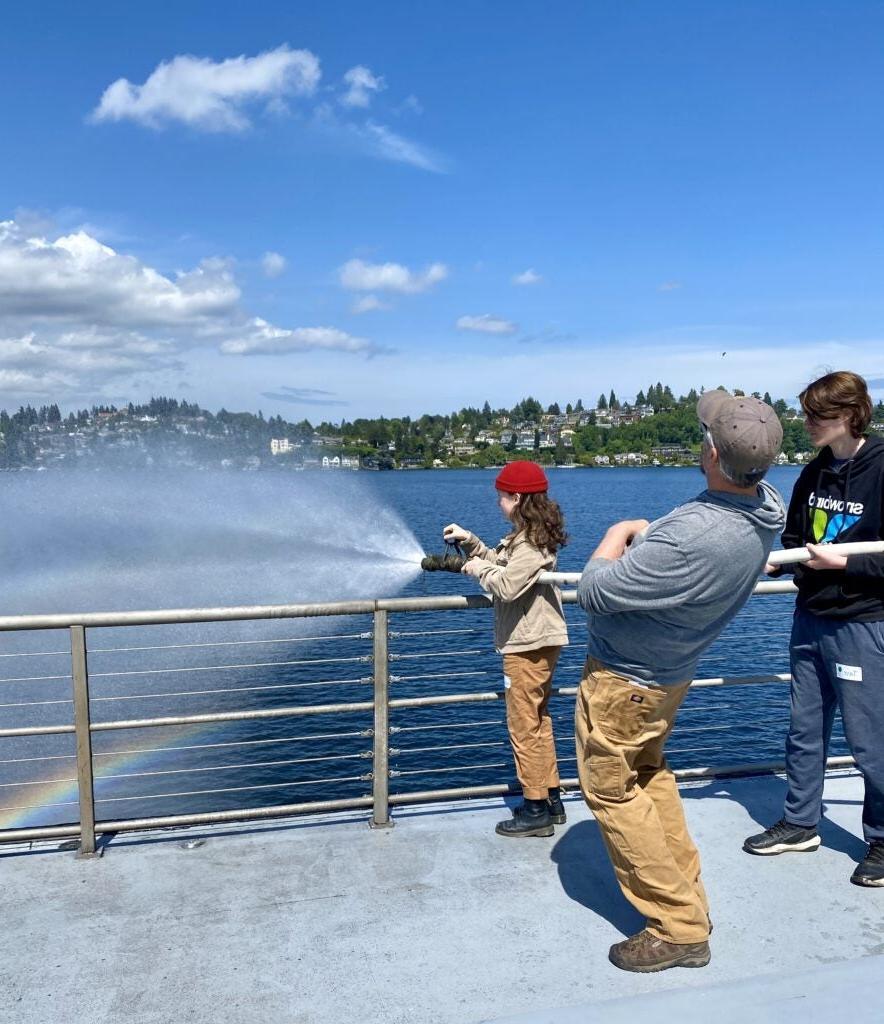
{"type": "Point", "coordinates": [352, 209]}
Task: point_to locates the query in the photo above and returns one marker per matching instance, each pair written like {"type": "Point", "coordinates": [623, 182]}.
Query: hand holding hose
{"type": "Point", "coordinates": [454, 534]}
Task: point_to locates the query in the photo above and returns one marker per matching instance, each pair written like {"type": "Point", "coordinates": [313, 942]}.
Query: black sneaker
{"type": "Point", "coordinates": [870, 870]}
{"type": "Point", "coordinates": [783, 838]}
{"type": "Point", "coordinates": [556, 807]}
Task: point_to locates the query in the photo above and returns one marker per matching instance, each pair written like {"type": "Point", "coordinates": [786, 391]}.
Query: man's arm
{"type": "Point", "coordinates": [652, 575]}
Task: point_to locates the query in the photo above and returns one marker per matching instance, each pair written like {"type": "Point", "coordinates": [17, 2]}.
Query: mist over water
{"type": "Point", "coordinates": [123, 540]}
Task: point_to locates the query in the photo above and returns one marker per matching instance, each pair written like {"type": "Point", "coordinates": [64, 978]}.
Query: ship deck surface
{"type": "Point", "coordinates": [321, 919]}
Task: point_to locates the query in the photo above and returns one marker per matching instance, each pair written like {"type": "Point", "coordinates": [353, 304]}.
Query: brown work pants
{"type": "Point", "coordinates": [527, 717]}
{"type": "Point", "coordinates": [621, 730]}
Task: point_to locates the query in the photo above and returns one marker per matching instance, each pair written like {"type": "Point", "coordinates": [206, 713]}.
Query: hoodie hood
{"type": "Point", "coordinates": [766, 510]}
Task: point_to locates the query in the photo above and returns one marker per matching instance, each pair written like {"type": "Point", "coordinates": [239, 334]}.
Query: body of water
{"type": "Point", "coordinates": [107, 541]}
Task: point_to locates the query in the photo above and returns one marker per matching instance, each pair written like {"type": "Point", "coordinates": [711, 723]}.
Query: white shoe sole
{"type": "Point", "coordinates": [808, 846]}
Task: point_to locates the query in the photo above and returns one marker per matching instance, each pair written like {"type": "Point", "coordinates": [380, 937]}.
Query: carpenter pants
{"type": "Point", "coordinates": [621, 730]}
{"type": "Point", "coordinates": [835, 663]}
{"type": "Point", "coordinates": [528, 677]}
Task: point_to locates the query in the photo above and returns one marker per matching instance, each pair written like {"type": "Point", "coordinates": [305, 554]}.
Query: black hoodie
{"type": "Point", "coordinates": [840, 504]}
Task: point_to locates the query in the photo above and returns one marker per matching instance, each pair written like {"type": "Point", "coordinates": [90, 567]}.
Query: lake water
{"type": "Point", "coordinates": [106, 541]}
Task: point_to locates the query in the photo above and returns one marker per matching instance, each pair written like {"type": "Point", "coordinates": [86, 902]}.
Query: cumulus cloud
{"type": "Point", "coordinates": [223, 96]}
{"type": "Point", "coordinates": [211, 95]}
{"type": "Point", "coordinates": [369, 304]}
{"type": "Point", "coordinates": [527, 277]}
{"type": "Point", "coordinates": [359, 276]}
{"type": "Point", "coordinates": [78, 315]}
{"type": "Point", "coordinates": [487, 324]}
{"type": "Point", "coordinates": [273, 264]}
{"type": "Point", "coordinates": [361, 83]}
{"type": "Point", "coordinates": [261, 338]}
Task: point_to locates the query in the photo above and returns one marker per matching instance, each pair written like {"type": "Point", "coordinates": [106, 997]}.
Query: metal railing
{"type": "Point", "coordinates": [84, 727]}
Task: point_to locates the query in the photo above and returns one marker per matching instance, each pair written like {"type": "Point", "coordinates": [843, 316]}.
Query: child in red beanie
{"type": "Point", "coordinates": [529, 631]}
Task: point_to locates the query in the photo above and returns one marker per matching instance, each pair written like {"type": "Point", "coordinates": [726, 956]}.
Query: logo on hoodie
{"type": "Point", "coordinates": [832, 517]}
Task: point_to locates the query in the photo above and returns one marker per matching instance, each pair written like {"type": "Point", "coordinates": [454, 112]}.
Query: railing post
{"type": "Point", "coordinates": [80, 675]}
{"type": "Point", "coordinates": [381, 766]}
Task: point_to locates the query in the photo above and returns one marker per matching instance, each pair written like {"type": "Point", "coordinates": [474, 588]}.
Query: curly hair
{"type": "Point", "coordinates": [542, 521]}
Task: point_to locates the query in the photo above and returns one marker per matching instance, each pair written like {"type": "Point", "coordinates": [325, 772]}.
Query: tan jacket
{"type": "Point", "coordinates": [527, 614]}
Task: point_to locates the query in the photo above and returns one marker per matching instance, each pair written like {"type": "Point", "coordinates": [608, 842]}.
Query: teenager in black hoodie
{"type": "Point", "coordinates": [837, 645]}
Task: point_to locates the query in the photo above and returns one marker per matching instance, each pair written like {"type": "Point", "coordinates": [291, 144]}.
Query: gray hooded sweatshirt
{"type": "Point", "coordinates": [654, 611]}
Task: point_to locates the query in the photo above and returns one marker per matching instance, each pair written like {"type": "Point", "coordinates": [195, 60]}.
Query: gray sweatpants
{"type": "Point", "coordinates": [835, 664]}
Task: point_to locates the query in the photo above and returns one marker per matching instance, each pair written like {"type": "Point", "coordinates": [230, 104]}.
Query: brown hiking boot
{"type": "Point", "coordinates": [645, 953]}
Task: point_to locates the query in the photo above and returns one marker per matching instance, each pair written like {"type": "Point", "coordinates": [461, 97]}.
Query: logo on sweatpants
{"type": "Point", "coordinates": [853, 673]}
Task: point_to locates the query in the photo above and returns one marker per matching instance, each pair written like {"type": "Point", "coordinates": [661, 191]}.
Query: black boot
{"type": "Point", "coordinates": [555, 805]}
{"type": "Point", "coordinates": [530, 818]}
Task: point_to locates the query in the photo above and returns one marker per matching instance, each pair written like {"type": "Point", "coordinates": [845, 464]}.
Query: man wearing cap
{"type": "Point", "coordinates": [658, 595]}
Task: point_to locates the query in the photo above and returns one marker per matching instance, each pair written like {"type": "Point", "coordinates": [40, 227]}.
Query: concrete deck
{"type": "Point", "coordinates": [322, 920]}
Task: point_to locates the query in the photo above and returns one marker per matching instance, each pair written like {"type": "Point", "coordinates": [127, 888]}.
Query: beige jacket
{"type": "Point", "coordinates": [527, 614]}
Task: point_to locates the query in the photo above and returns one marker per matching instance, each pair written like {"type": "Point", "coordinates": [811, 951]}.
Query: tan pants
{"type": "Point", "coordinates": [621, 730]}
{"type": "Point", "coordinates": [527, 718]}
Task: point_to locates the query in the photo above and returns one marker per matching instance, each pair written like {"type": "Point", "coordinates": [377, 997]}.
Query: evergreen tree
{"type": "Point", "coordinates": [602, 402]}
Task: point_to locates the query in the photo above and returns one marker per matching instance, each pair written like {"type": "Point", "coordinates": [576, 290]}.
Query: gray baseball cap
{"type": "Point", "coordinates": [746, 431]}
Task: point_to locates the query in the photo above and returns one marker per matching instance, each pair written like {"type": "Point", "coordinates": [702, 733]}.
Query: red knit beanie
{"type": "Point", "coordinates": [521, 477]}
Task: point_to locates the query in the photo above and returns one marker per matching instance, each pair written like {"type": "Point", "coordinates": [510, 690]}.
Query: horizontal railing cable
{"type": "Point", "coordinates": [35, 654]}
{"type": "Point", "coordinates": [452, 746]}
{"type": "Point", "coordinates": [442, 771]}
{"type": "Point", "coordinates": [230, 643]}
{"type": "Point", "coordinates": [447, 725]}
{"type": "Point", "coordinates": [37, 679]}
{"type": "Point", "coordinates": [395, 634]}
{"type": "Point", "coordinates": [362, 756]}
{"type": "Point", "coordinates": [440, 675]}
{"type": "Point", "coordinates": [233, 789]}
{"type": "Point", "coordinates": [359, 680]}
{"type": "Point", "coordinates": [363, 658]}
{"type": "Point", "coordinates": [440, 654]}
{"type": "Point", "coordinates": [360, 734]}
{"type": "Point", "coordinates": [44, 757]}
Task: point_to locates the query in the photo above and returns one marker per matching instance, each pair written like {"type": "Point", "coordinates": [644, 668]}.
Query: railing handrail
{"type": "Point", "coordinates": [234, 613]}
{"type": "Point", "coordinates": [380, 705]}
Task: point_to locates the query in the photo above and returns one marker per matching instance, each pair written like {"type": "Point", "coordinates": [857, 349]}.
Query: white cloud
{"type": "Point", "coordinates": [410, 105]}
{"type": "Point", "coordinates": [79, 316]}
{"type": "Point", "coordinates": [369, 304]}
{"type": "Point", "coordinates": [487, 324]}
{"type": "Point", "coordinates": [383, 142]}
{"type": "Point", "coordinates": [77, 278]}
{"type": "Point", "coordinates": [359, 276]}
{"type": "Point", "coordinates": [669, 286]}
{"type": "Point", "coordinates": [222, 96]}
{"type": "Point", "coordinates": [361, 83]}
{"type": "Point", "coordinates": [527, 277]}
{"type": "Point", "coordinates": [261, 338]}
{"type": "Point", "coordinates": [273, 264]}
{"type": "Point", "coordinates": [210, 95]}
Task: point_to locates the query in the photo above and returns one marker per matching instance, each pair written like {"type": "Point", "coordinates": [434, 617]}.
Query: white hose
{"type": "Point", "coordinates": [867, 547]}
